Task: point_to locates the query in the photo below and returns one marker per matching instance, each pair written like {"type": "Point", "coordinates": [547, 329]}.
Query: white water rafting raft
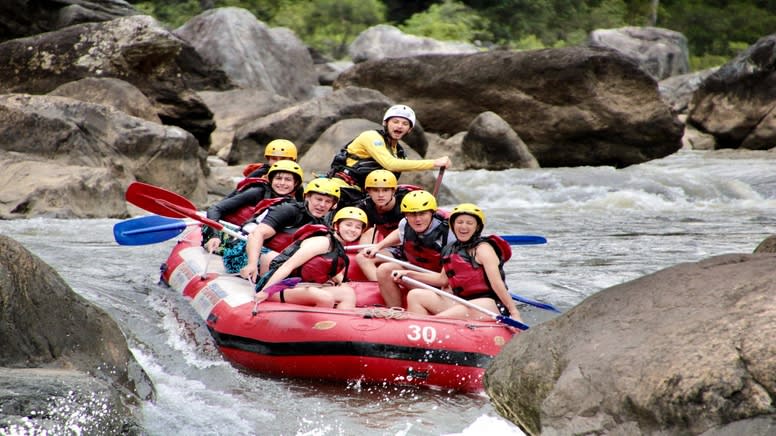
{"type": "Point", "coordinates": [371, 344]}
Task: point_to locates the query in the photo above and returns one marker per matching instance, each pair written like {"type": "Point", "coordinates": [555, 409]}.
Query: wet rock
{"type": "Point", "coordinates": [61, 354]}
{"type": "Point", "coordinates": [571, 106]}
{"type": "Point", "coordinates": [686, 350]}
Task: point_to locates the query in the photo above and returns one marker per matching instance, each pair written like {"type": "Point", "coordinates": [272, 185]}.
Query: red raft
{"type": "Point", "coordinates": [371, 344]}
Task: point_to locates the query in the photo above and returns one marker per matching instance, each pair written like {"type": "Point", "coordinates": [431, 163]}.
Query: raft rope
{"type": "Point", "coordinates": [385, 312]}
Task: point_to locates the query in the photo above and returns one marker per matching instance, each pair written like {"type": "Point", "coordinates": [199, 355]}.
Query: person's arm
{"type": "Point", "coordinates": [308, 249]}
{"type": "Point", "coordinates": [256, 239]}
{"type": "Point", "coordinates": [390, 240]}
{"type": "Point", "coordinates": [249, 197]}
{"type": "Point", "coordinates": [371, 144]}
{"type": "Point", "coordinates": [486, 256]}
{"type": "Point", "coordinates": [436, 279]}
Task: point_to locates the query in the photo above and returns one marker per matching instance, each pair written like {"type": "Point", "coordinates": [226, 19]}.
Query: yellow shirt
{"type": "Point", "coordinates": [371, 144]}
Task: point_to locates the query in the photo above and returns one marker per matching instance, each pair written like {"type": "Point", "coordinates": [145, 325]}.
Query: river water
{"type": "Point", "coordinates": [604, 226]}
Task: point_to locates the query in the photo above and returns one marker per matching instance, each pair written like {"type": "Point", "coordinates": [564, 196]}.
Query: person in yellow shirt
{"type": "Point", "coordinates": [378, 149]}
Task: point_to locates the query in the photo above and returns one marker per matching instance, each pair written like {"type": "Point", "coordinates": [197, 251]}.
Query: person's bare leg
{"type": "Point", "coordinates": [390, 290]}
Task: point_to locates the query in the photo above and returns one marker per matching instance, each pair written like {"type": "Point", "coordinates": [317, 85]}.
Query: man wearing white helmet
{"type": "Point", "coordinates": [379, 149]}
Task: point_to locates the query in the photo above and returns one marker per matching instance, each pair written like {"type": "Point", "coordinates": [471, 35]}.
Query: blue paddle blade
{"type": "Point", "coordinates": [147, 230]}
{"type": "Point", "coordinates": [524, 239]}
{"type": "Point", "coordinates": [534, 303]}
{"type": "Point", "coordinates": [511, 322]}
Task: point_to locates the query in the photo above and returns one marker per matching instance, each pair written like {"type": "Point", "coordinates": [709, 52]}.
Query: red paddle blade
{"type": "Point", "coordinates": [145, 196]}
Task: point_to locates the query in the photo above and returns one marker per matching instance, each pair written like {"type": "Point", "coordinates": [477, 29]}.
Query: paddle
{"type": "Point", "coordinates": [169, 204]}
{"type": "Point", "coordinates": [147, 230]}
{"type": "Point", "coordinates": [438, 183]}
{"type": "Point", "coordinates": [524, 239]}
{"type": "Point", "coordinates": [498, 317]}
{"type": "Point", "coordinates": [515, 297]}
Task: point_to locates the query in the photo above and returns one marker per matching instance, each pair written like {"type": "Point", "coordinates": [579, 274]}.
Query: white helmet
{"type": "Point", "coordinates": [400, 110]}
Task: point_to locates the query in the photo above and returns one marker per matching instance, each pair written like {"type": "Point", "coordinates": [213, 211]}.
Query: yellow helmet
{"type": "Point", "coordinates": [353, 213]}
{"type": "Point", "coordinates": [418, 201]}
{"type": "Point", "coordinates": [323, 186]}
{"type": "Point", "coordinates": [288, 166]}
{"type": "Point", "coordinates": [381, 179]}
{"type": "Point", "coordinates": [280, 148]}
{"type": "Point", "coordinates": [468, 209]}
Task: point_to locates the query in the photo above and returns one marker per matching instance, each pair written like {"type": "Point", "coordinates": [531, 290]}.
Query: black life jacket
{"type": "Point", "coordinates": [356, 174]}
{"type": "Point", "coordinates": [386, 222]}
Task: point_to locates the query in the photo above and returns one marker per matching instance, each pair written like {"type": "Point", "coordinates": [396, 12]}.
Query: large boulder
{"type": "Point", "coordinates": [59, 350]}
{"type": "Point", "coordinates": [678, 91]}
{"type": "Point", "coordinates": [735, 104]}
{"type": "Point", "coordinates": [236, 107]}
{"type": "Point", "coordinates": [571, 106]}
{"type": "Point", "coordinates": [304, 122]}
{"type": "Point", "coordinates": [490, 143]}
{"type": "Point", "coordinates": [20, 18]}
{"type": "Point", "coordinates": [111, 92]}
{"type": "Point", "coordinates": [661, 53]}
{"type": "Point", "coordinates": [252, 54]}
{"type": "Point", "coordinates": [135, 49]}
{"type": "Point", "coordinates": [384, 41]}
{"type": "Point", "coordinates": [68, 158]}
{"type": "Point", "coordinates": [686, 350]}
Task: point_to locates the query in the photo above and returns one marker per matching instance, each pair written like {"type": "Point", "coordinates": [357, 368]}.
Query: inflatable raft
{"type": "Point", "coordinates": [371, 344]}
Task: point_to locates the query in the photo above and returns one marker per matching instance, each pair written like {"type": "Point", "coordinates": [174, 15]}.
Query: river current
{"type": "Point", "coordinates": [604, 226]}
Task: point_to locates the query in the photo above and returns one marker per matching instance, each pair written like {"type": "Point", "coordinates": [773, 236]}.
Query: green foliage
{"type": "Point", "coordinates": [449, 20]}
{"type": "Point", "coordinates": [698, 63]}
{"type": "Point", "coordinates": [330, 25]}
{"type": "Point", "coordinates": [172, 13]}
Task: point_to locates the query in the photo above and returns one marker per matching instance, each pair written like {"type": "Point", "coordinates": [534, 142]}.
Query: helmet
{"type": "Point", "coordinates": [468, 209]}
{"type": "Point", "coordinates": [418, 201]}
{"type": "Point", "coordinates": [380, 179]}
{"type": "Point", "coordinates": [323, 186]}
{"type": "Point", "coordinates": [288, 166]}
{"type": "Point", "coordinates": [400, 110]}
{"type": "Point", "coordinates": [353, 213]}
{"type": "Point", "coordinates": [280, 148]}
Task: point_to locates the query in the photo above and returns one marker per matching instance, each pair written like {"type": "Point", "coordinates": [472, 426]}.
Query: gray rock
{"type": "Point", "coordinates": [135, 49]}
{"type": "Point", "coordinates": [735, 103]}
{"type": "Point", "coordinates": [572, 106]}
{"type": "Point", "coordinates": [251, 54]}
{"type": "Point", "coordinates": [490, 143]}
{"type": "Point", "coordinates": [114, 93]}
{"type": "Point", "coordinates": [768, 245]}
{"type": "Point", "coordinates": [20, 18]}
{"type": "Point", "coordinates": [79, 354]}
{"type": "Point", "coordinates": [686, 350]}
{"type": "Point", "coordinates": [384, 41]}
{"type": "Point", "coordinates": [68, 158]}
{"type": "Point", "coordinates": [678, 91]}
{"type": "Point", "coordinates": [661, 53]}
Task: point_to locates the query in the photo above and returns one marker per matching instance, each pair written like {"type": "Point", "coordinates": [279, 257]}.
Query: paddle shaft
{"type": "Point", "coordinates": [438, 183]}
{"type": "Point", "coordinates": [498, 317]}
{"type": "Point", "coordinates": [515, 297]}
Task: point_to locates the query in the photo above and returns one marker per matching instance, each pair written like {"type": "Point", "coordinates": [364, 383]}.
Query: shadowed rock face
{"type": "Point", "coordinates": [686, 350]}
{"type": "Point", "coordinates": [572, 106]}
{"type": "Point", "coordinates": [20, 18]}
{"type": "Point", "coordinates": [735, 104]}
{"type": "Point", "coordinates": [77, 348]}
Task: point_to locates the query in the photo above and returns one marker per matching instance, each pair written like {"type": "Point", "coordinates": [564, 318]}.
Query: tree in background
{"type": "Point", "coordinates": [330, 25]}
{"type": "Point", "coordinates": [450, 20]}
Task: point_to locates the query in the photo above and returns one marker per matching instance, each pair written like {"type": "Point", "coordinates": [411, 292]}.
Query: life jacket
{"type": "Point", "coordinates": [257, 169]}
{"type": "Point", "coordinates": [285, 237]}
{"type": "Point", "coordinates": [466, 277]}
{"type": "Point", "coordinates": [426, 249]}
{"type": "Point", "coordinates": [356, 173]}
{"type": "Point", "coordinates": [320, 268]}
{"type": "Point", "coordinates": [386, 222]}
{"type": "Point", "coordinates": [245, 213]}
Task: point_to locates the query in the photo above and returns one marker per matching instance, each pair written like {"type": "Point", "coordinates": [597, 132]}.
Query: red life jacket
{"type": "Point", "coordinates": [466, 277]}
{"type": "Point", "coordinates": [321, 268]}
{"type": "Point", "coordinates": [285, 237]}
{"type": "Point", "coordinates": [251, 168]}
{"type": "Point", "coordinates": [243, 214]}
{"type": "Point", "coordinates": [426, 250]}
